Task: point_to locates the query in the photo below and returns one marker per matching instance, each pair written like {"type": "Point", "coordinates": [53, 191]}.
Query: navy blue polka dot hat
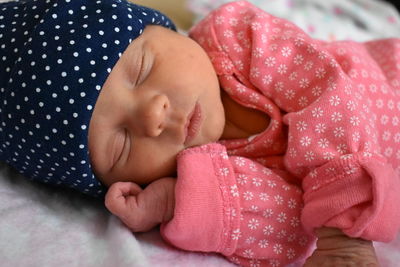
{"type": "Point", "coordinates": [55, 56]}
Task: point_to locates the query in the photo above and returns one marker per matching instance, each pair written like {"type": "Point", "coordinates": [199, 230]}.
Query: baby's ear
{"type": "Point", "coordinates": [115, 199]}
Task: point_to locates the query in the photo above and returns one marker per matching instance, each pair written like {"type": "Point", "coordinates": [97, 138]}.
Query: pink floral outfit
{"type": "Point", "coordinates": [330, 156]}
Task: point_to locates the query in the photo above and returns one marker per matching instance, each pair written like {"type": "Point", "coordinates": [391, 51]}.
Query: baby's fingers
{"type": "Point", "coordinates": [117, 194]}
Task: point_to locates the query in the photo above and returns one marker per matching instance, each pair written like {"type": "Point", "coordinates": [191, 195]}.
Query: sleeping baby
{"type": "Point", "coordinates": [247, 138]}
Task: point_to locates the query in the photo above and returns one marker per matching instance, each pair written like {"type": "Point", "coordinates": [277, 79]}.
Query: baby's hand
{"type": "Point", "coordinates": [335, 249]}
{"type": "Point", "coordinates": [142, 209]}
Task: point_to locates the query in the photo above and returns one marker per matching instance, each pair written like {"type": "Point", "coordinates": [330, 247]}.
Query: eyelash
{"type": "Point", "coordinates": [141, 70]}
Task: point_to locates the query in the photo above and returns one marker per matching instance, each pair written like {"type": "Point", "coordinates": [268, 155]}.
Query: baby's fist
{"type": "Point", "coordinates": [142, 209]}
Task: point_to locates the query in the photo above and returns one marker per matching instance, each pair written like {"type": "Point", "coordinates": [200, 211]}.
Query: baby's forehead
{"type": "Point", "coordinates": [56, 55]}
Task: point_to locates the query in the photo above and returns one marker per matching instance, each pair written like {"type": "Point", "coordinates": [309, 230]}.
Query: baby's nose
{"type": "Point", "coordinates": [156, 114]}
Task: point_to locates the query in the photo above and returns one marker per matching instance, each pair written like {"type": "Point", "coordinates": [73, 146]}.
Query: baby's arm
{"type": "Point", "coordinates": [142, 209]}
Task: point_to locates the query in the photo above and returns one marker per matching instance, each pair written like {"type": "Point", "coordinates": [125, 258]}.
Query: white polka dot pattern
{"type": "Point", "coordinates": [55, 57]}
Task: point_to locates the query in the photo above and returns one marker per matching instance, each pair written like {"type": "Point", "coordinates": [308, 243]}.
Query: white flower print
{"type": "Point", "coordinates": [263, 196]}
{"type": "Point", "coordinates": [253, 167]}
{"type": "Point", "coordinates": [320, 73]}
{"type": "Point", "coordinates": [250, 240]}
{"type": "Point", "coordinates": [294, 222]}
{"type": "Point", "coordinates": [264, 38]}
{"type": "Point", "coordinates": [254, 208]}
{"type": "Point", "coordinates": [258, 52]}
{"type": "Point", "coordinates": [395, 121]}
{"type": "Point", "coordinates": [240, 88]}
{"type": "Point", "coordinates": [278, 248]}
{"type": "Point", "coordinates": [342, 149]}
{"type": "Point", "coordinates": [278, 86]}
{"type": "Point", "coordinates": [317, 112]}
{"type": "Point", "coordinates": [305, 141]}
{"type": "Point", "coordinates": [303, 241]}
{"type": "Point", "coordinates": [379, 103]}
{"type": "Point", "coordinates": [291, 237]}
{"type": "Point", "coordinates": [248, 253]}
{"type": "Point", "coordinates": [248, 195]}
{"type": "Point", "coordinates": [237, 48]}
{"type": "Point", "coordinates": [281, 234]}
{"type": "Point", "coordinates": [351, 105]}
{"type": "Point", "coordinates": [255, 263]}
{"type": "Point", "coordinates": [390, 104]}
{"type": "Point", "coordinates": [242, 179]}
{"type": "Point", "coordinates": [236, 234]}
{"type": "Point", "coordinates": [226, 64]}
{"type": "Point", "coordinates": [281, 217]}
{"type": "Point", "coordinates": [311, 48]}
{"type": "Point", "coordinates": [219, 20]}
{"type": "Point", "coordinates": [304, 83]}
{"type": "Point", "coordinates": [323, 143]}
{"type": "Point", "coordinates": [285, 187]}
{"type": "Point", "coordinates": [234, 191]}
{"type": "Point", "coordinates": [298, 41]}
{"type": "Point", "coordinates": [254, 97]}
{"type": "Point", "coordinates": [271, 184]}
{"type": "Point", "coordinates": [338, 132]}
{"type": "Point", "coordinates": [386, 135]}
{"type": "Point", "coordinates": [293, 76]}
{"type": "Point", "coordinates": [309, 156]}
{"type": "Point", "coordinates": [274, 263]}
{"type": "Point", "coordinates": [334, 100]}
{"type": "Point", "coordinates": [253, 224]}
{"type": "Point", "coordinates": [298, 59]}
{"type": "Point", "coordinates": [268, 213]}
{"type": "Point", "coordinates": [278, 199]}
{"type": "Point", "coordinates": [268, 230]}
{"type": "Point", "coordinates": [322, 55]}
{"type": "Point", "coordinates": [388, 152]}
{"type": "Point", "coordinates": [257, 181]}
{"type": "Point", "coordinates": [384, 119]}
{"type": "Point", "coordinates": [286, 51]}
{"type": "Point", "coordinates": [316, 91]}
{"type": "Point", "coordinates": [289, 94]}
{"type": "Point", "coordinates": [328, 155]}
{"type": "Point", "coordinates": [356, 136]}
{"type": "Point", "coordinates": [397, 138]}
{"type": "Point", "coordinates": [303, 101]}
{"type": "Point", "coordinates": [290, 254]}
{"type": "Point", "coordinates": [267, 79]}
{"type": "Point", "coordinates": [273, 47]}
{"type": "Point", "coordinates": [292, 152]}
{"type": "Point", "coordinates": [239, 161]}
{"type": "Point", "coordinates": [292, 203]}
{"type": "Point", "coordinates": [308, 65]}
{"type": "Point", "coordinates": [301, 126]}
{"type": "Point", "coordinates": [255, 26]}
{"type": "Point", "coordinates": [282, 69]}
{"type": "Point", "coordinates": [263, 243]}
{"type": "Point", "coordinates": [233, 22]}
{"type": "Point", "coordinates": [336, 116]}
{"type": "Point", "coordinates": [270, 61]}
{"type": "Point", "coordinates": [354, 120]}
{"type": "Point", "coordinates": [239, 64]}
{"type": "Point", "coordinates": [235, 260]}
{"type": "Point", "coordinates": [228, 34]}
{"type": "Point", "coordinates": [224, 171]}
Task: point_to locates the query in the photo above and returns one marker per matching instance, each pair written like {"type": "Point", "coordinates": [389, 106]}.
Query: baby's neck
{"type": "Point", "coordinates": [240, 121]}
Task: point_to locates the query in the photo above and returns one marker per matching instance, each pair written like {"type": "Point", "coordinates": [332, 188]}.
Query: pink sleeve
{"type": "Point", "coordinates": [236, 207]}
{"type": "Point", "coordinates": [340, 102]}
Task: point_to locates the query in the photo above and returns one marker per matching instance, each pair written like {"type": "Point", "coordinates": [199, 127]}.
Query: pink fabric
{"type": "Point", "coordinates": [334, 133]}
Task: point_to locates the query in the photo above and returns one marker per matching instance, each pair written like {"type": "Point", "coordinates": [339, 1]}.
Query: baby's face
{"type": "Point", "coordinates": [161, 97]}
